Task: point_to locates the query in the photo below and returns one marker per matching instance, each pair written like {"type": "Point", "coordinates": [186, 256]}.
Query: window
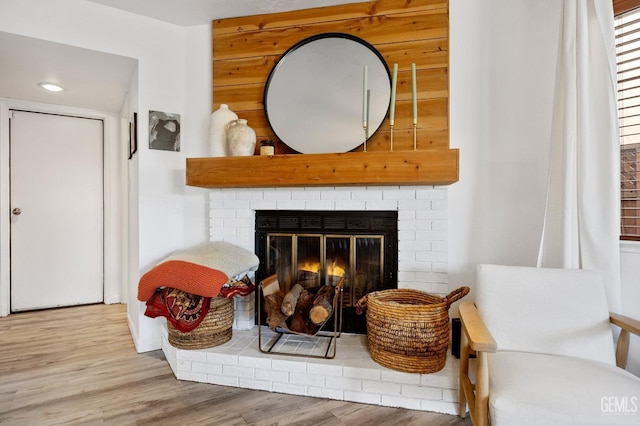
{"type": "Point", "coordinates": [627, 32]}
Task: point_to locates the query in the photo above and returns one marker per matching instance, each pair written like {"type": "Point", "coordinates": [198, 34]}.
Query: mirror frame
{"type": "Point", "coordinates": [318, 132]}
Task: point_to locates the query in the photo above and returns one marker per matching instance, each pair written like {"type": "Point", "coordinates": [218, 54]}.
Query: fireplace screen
{"type": "Point", "coordinates": [366, 259]}
{"type": "Point", "coordinates": [315, 260]}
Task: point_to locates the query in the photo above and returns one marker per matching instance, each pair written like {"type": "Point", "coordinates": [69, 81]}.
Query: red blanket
{"type": "Point", "coordinates": [242, 287]}
{"type": "Point", "coordinates": [186, 276]}
{"type": "Point", "coordinates": [184, 310]}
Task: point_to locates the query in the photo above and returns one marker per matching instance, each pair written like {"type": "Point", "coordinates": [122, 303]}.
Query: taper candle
{"type": "Point", "coordinates": [414, 95]}
{"type": "Point", "coordinates": [394, 82]}
{"type": "Point", "coordinates": [364, 97]}
{"type": "Point", "coordinates": [368, 105]}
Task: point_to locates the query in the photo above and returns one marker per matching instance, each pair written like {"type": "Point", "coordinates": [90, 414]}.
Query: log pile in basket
{"type": "Point", "coordinates": [409, 330]}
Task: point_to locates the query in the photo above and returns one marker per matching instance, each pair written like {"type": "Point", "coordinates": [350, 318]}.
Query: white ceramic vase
{"type": "Point", "coordinates": [241, 139]}
{"type": "Point", "coordinates": [218, 130]}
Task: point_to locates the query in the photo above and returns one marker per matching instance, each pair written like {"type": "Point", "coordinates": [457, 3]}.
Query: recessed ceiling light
{"type": "Point", "coordinates": [51, 87]}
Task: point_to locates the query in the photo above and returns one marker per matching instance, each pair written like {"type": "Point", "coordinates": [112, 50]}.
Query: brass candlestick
{"type": "Point", "coordinates": [391, 134]}
{"type": "Point", "coordinates": [366, 135]}
{"type": "Point", "coordinates": [415, 134]}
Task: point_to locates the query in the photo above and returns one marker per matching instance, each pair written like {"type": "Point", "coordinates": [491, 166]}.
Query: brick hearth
{"type": "Point", "coordinates": [351, 376]}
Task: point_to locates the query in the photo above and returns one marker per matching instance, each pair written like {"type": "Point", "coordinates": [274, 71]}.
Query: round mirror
{"type": "Point", "coordinates": [315, 99]}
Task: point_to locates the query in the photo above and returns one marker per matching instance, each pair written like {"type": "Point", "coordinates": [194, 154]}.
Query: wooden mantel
{"type": "Point", "coordinates": [427, 167]}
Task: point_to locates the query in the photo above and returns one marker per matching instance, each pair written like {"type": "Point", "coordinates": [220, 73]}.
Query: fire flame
{"type": "Point", "coordinates": [314, 267]}
{"type": "Point", "coordinates": [335, 270]}
{"type": "Point", "coordinates": [309, 267]}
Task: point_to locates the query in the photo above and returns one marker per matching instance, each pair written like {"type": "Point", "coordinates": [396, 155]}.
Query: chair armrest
{"type": "Point", "coordinates": [475, 336]}
{"type": "Point", "coordinates": [625, 323]}
{"type": "Point", "coordinates": [480, 338]}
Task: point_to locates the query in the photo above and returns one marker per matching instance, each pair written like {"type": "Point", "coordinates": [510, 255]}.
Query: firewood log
{"type": "Point", "coordinates": [300, 321]}
{"type": "Point", "coordinates": [272, 304]}
{"type": "Point", "coordinates": [361, 305]}
{"type": "Point", "coordinates": [270, 285]}
{"type": "Point", "coordinates": [291, 299]}
{"type": "Point", "coordinates": [322, 305]}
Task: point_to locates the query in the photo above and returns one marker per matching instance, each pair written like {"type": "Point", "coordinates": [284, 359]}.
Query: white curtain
{"type": "Point", "coordinates": [581, 224]}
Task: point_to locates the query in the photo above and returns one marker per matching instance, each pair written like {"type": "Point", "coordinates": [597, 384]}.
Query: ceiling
{"type": "Point", "coordinates": [100, 81]}
{"type": "Point", "coordinates": [200, 12]}
{"type": "Point", "coordinates": [91, 80]}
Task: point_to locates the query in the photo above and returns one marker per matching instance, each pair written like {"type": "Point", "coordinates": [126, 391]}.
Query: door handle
{"type": "Point", "coordinates": [16, 211]}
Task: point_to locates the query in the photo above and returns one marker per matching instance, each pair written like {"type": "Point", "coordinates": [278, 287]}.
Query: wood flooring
{"type": "Point", "coordinates": [78, 366]}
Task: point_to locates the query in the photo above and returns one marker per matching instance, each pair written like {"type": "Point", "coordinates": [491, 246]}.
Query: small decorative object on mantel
{"type": "Point", "coordinates": [408, 330]}
{"type": "Point", "coordinates": [267, 147]}
{"type": "Point", "coordinates": [241, 139]}
{"type": "Point", "coordinates": [218, 130]}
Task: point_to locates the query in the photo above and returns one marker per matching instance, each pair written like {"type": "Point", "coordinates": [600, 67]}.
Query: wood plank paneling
{"type": "Point", "coordinates": [321, 14]}
{"type": "Point", "coordinates": [375, 30]}
{"type": "Point", "coordinates": [245, 50]}
{"type": "Point", "coordinates": [432, 83]}
{"type": "Point", "coordinates": [240, 71]}
{"type": "Point", "coordinates": [427, 54]}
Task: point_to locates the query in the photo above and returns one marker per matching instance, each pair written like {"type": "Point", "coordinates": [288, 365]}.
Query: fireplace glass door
{"type": "Point", "coordinates": [313, 259]}
{"type": "Point", "coordinates": [316, 260]}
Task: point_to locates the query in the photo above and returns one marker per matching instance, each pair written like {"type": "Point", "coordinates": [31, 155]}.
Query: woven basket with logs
{"type": "Point", "coordinates": [215, 328]}
{"type": "Point", "coordinates": [408, 330]}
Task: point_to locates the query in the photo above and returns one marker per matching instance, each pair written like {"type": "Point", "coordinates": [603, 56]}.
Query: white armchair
{"type": "Point", "coordinates": [545, 351]}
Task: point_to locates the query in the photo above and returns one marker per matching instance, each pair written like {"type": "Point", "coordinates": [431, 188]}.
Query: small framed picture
{"type": "Point", "coordinates": [133, 135]}
{"type": "Point", "coordinates": [164, 131]}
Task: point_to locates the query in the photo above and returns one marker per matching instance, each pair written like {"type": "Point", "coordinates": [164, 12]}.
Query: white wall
{"type": "Point", "coordinates": [171, 66]}
{"type": "Point", "coordinates": [500, 115]}
{"type": "Point", "coordinates": [501, 80]}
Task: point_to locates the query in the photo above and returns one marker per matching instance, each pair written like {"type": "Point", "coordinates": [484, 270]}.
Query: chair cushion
{"type": "Point", "coordinates": [538, 389]}
{"type": "Point", "coordinates": [546, 310]}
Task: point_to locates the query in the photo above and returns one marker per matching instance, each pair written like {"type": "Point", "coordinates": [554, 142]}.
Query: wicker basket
{"type": "Point", "coordinates": [408, 330]}
{"type": "Point", "coordinates": [215, 328]}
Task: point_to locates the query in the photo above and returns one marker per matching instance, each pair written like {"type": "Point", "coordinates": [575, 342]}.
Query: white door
{"type": "Point", "coordinates": [56, 210]}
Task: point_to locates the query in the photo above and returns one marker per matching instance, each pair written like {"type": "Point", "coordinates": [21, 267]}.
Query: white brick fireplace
{"type": "Point", "coordinates": [422, 265]}
{"type": "Point", "coordinates": [422, 221]}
